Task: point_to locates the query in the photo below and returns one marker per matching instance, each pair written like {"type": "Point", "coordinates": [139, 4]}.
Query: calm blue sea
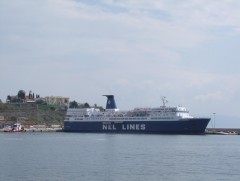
{"type": "Point", "coordinates": [107, 157]}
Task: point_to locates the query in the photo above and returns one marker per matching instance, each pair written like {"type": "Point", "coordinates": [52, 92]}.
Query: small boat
{"type": "Point", "coordinates": [17, 127]}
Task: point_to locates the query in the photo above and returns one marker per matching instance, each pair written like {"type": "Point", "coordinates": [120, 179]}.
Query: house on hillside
{"type": "Point", "coordinates": [1, 122]}
{"type": "Point", "coordinates": [57, 100]}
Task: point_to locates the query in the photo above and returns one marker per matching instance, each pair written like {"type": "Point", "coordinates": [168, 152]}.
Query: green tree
{"type": "Point", "coordinates": [86, 105]}
{"type": "Point", "coordinates": [21, 94]}
{"type": "Point", "coordinates": [73, 104]}
{"type": "Point", "coordinates": [9, 98]}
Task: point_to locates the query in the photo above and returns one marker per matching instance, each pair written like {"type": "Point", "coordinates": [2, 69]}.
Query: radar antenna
{"type": "Point", "coordinates": [164, 101]}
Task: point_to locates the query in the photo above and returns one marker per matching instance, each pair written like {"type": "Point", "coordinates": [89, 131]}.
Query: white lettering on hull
{"type": "Point", "coordinates": [124, 127]}
{"type": "Point", "coordinates": [108, 127]}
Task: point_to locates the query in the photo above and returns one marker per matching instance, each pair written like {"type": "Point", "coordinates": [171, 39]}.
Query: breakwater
{"type": "Point", "coordinates": [223, 131]}
{"type": "Point", "coordinates": [40, 130]}
{"type": "Point", "coordinates": [212, 131]}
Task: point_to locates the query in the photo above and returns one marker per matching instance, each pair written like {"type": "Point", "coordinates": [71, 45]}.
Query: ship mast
{"type": "Point", "coordinates": [164, 101]}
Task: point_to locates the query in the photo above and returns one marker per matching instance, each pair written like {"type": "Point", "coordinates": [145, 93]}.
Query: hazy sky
{"type": "Point", "coordinates": [138, 50]}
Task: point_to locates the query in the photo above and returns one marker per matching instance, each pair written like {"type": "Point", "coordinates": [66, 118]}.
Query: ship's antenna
{"type": "Point", "coordinates": [164, 101]}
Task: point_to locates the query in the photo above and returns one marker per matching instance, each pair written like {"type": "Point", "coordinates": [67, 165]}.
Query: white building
{"type": "Point", "coordinates": [57, 100]}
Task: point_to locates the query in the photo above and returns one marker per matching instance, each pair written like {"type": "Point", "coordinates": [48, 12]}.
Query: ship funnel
{"type": "Point", "coordinates": [110, 102]}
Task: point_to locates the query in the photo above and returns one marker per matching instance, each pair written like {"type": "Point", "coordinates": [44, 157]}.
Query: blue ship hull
{"type": "Point", "coordinates": [185, 126]}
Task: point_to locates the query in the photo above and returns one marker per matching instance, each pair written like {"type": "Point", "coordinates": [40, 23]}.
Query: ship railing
{"type": "Point", "coordinates": [201, 116]}
{"type": "Point", "coordinates": [142, 108]}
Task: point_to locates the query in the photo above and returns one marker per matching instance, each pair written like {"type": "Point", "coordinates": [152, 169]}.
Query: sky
{"type": "Point", "coordinates": [139, 51]}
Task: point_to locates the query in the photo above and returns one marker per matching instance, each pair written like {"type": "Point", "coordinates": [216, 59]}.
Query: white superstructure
{"type": "Point", "coordinates": [163, 113]}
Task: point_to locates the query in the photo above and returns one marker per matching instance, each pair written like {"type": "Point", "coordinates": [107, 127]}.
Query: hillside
{"type": "Point", "coordinates": [30, 114]}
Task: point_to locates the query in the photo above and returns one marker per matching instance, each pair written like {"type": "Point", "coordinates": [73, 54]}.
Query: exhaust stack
{"type": "Point", "coordinates": [110, 102]}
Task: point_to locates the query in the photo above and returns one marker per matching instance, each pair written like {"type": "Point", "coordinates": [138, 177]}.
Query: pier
{"type": "Point", "coordinates": [210, 131]}
{"type": "Point", "coordinates": [39, 130]}
{"type": "Point", "coordinates": [223, 131]}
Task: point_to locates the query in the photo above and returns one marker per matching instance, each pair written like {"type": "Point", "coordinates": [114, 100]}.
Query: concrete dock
{"type": "Point", "coordinates": [40, 130]}
{"type": "Point", "coordinates": [213, 131]}
{"type": "Point", "coordinates": [223, 131]}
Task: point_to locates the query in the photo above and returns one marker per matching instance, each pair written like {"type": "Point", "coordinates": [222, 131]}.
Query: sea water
{"type": "Point", "coordinates": [105, 157]}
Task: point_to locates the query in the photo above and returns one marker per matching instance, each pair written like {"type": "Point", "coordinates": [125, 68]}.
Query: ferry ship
{"type": "Point", "coordinates": [159, 120]}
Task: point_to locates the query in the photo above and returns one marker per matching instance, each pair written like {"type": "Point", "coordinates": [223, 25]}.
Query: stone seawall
{"type": "Point", "coordinates": [39, 130]}
{"type": "Point", "coordinates": [223, 131]}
